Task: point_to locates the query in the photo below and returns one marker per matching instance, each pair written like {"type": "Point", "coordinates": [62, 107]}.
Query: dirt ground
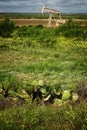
{"type": "Point", "coordinates": [27, 22]}
{"type": "Point", "coordinates": [44, 22]}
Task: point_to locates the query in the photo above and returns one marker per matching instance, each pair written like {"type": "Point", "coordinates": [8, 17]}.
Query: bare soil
{"type": "Point", "coordinates": [44, 22]}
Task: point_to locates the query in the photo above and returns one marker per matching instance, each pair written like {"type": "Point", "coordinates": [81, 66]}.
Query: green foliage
{"type": "Point", "coordinates": [4, 46]}
{"type": "Point", "coordinates": [81, 117]}
{"type": "Point", "coordinates": [47, 37]}
{"type": "Point", "coordinates": [42, 35]}
{"type": "Point", "coordinates": [53, 59]}
{"type": "Point", "coordinates": [9, 81]}
{"type": "Point", "coordinates": [45, 118]}
{"type": "Point", "coordinates": [6, 28]}
{"type": "Point", "coordinates": [72, 30]}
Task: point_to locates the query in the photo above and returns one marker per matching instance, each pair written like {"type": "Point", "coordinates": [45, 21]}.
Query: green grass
{"type": "Point", "coordinates": [66, 63]}
{"type": "Point", "coordinates": [24, 63]}
{"type": "Point", "coordinates": [45, 118]}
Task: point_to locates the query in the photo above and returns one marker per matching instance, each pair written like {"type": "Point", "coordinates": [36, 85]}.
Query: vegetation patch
{"type": "Point", "coordinates": [43, 78]}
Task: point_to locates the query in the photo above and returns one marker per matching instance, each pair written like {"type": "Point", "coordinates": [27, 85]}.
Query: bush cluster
{"type": "Point", "coordinates": [49, 35]}
{"type": "Point", "coordinates": [44, 35]}
{"type": "Point", "coordinates": [72, 30]}
{"type": "Point", "coordinates": [6, 28]}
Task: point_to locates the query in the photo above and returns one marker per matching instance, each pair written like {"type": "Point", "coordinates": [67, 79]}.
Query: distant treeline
{"type": "Point", "coordinates": [41, 16]}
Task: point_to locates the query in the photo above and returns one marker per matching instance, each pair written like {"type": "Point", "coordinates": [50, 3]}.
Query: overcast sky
{"type": "Point", "coordinates": [27, 6]}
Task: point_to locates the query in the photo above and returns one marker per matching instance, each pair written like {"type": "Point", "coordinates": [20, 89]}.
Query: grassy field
{"type": "Point", "coordinates": [40, 16]}
{"type": "Point", "coordinates": [53, 64]}
{"type": "Point", "coordinates": [44, 57]}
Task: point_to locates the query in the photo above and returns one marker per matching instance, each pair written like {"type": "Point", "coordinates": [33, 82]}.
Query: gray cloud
{"type": "Point", "coordinates": [64, 6]}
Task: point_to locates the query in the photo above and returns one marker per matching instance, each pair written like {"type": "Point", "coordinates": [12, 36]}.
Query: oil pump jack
{"type": "Point", "coordinates": [52, 15]}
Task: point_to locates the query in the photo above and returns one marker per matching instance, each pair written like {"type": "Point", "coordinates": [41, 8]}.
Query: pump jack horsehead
{"type": "Point", "coordinates": [52, 15]}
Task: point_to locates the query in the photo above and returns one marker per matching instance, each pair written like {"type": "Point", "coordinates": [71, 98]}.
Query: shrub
{"type": "Point", "coordinates": [71, 30]}
{"type": "Point", "coordinates": [6, 28]}
{"type": "Point", "coordinates": [9, 82]}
